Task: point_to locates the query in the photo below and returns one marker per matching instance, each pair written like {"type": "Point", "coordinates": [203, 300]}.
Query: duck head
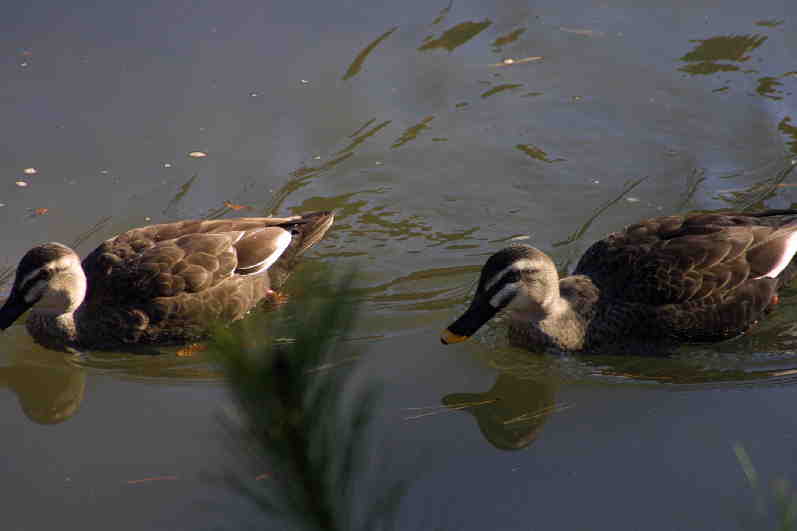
{"type": "Point", "coordinates": [519, 279]}
{"type": "Point", "coordinates": [49, 279]}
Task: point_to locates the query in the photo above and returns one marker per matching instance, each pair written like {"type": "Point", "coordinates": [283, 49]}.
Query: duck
{"type": "Point", "coordinates": [161, 284]}
{"type": "Point", "coordinates": [667, 280]}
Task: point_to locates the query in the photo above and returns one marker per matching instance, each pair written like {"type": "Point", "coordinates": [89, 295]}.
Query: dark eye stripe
{"type": "Point", "coordinates": [507, 278]}
{"type": "Point", "coordinates": [43, 274]}
{"type": "Point", "coordinates": [512, 276]}
{"type": "Point", "coordinates": [30, 282]}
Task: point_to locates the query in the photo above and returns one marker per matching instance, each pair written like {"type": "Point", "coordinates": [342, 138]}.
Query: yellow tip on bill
{"type": "Point", "coordinates": [448, 337]}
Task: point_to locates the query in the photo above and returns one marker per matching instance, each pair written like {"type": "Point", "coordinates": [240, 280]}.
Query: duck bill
{"type": "Point", "coordinates": [14, 307]}
{"type": "Point", "coordinates": [479, 312]}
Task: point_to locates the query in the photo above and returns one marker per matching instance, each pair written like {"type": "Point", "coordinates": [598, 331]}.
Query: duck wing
{"type": "Point", "coordinates": [679, 259]}
{"type": "Point", "coordinates": [195, 256]}
{"type": "Point", "coordinates": [168, 282]}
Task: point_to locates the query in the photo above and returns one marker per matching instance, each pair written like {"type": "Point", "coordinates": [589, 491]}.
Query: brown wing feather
{"type": "Point", "coordinates": [164, 282]}
{"type": "Point", "coordinates": [695, 278]}
{"type": "Point", "coordinates": [675, 259]}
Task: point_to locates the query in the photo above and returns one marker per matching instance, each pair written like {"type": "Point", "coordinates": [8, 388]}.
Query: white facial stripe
{"type": "Point", "coordinates": [516, 266]}
{"type": "Point", "coordinates": [63, 263]}
{"type": "Point", "coordinates": [283, 241]}
{"type": "Point", "coordinates": [504, 295]}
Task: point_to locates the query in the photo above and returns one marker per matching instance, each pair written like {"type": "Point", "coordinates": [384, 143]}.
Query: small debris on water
{"type": "Point", "coordinates": [632, 199]}
{"type": "Point", "coordinates": [582, 31]}
{"type": "Point", "coordinates": [197, 154]}
{"type": "Point", "coordinates": [518, 238]}
{"type": "Point", "coordinates": [167, 165]}
{"type": "Point", "coordinates": [303, 81]}
{"type": "Point", "coordinates": [509, 61]}
{"type": "Point", "coordinates": [22, 184]}
{"type": "Point", "coordinates": [30, 171]}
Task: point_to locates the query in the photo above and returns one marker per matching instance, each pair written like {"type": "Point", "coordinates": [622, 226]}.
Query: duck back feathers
{"type": "Point", "coordinates": [703, 277]}
{"type": "Point", "coordinates": [166, 283]}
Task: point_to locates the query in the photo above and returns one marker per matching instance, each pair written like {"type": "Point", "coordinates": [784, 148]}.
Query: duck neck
{"type": "Point", "coordinates": [555, 324]}
{"type": "Point", "coordinates": [53, 330]}
{"type": "Point", "coordinates": [563, 325]}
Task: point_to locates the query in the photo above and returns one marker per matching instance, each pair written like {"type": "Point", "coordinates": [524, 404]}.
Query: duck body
{"type": "Point", "coordinates": [663, 281]}
{"type": "Point", "coordinates": [160, 284]}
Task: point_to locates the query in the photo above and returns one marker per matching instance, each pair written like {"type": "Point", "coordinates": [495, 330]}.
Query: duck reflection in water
{"type": "Point", "coordinates": [47, 395]}
{"type": "Point", "coordinates": [511, 414]}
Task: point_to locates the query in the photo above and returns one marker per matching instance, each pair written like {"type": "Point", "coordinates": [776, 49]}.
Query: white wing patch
{"type": "Point", "coordinates": [282, 243]}
{"type": "Point", "coordinates": [789, 249]}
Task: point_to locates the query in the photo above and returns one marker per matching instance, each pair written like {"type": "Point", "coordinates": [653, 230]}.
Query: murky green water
{"type": "Point", "coordinates": [437, 133]}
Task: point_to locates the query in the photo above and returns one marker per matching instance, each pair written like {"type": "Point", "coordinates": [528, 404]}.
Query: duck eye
{"type": "Point", "coordinates": [512, 276]}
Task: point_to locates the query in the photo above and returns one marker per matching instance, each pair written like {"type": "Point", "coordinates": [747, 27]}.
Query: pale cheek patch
{"type": "Point", "coordinates": [64, 263]}
{"type": "Point", "coordinates": [504, 295]}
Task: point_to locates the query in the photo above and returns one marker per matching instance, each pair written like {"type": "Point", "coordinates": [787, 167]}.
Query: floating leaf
{"type": "Point", "coordinates": [509, 38]}
{"type": "Point", "coordinates": [359, 137]}
{"type": "Point", "coordinates": [456, 36]}
{"type": "Point", "coordinates": [536, 153]}
{"type": "Point", "coordinates": [357, 64]}
{"type": "Point", "coordinates": [412, 132]}
{"type": "Point", "coordinates": [443, 13]}
{"type": "Point", "coordinates": [501, 88]}
{"type": "Point", "coordinates": [703, 59]}
{"type": "Point", "coordinates": [233, 206]}
{"type": "Point", "coordinates": [786, 128]}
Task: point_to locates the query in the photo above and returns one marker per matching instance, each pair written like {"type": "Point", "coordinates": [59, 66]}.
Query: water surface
{"type": "Point", "coordinates": [437, 133]}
